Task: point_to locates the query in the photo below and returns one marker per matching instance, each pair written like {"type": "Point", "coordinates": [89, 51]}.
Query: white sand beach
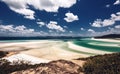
{"type": "Point", "coordinates": [84, 49]}
{"type": "Point", "coordinates": [26, 58]}
{"type": "Point", "coordinates": [108, 40]}
{"type": "Point", "coordinates": [42, 51]}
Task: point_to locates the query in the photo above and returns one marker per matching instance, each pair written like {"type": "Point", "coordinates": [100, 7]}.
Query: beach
{"type": "Point", "coordinates": [44, 51]}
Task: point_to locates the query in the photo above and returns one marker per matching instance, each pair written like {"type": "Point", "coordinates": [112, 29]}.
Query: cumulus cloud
{"type": "Point", "coordinates": [54, 26]}
{"type": "Point", "coordinates": [117, 26]}
{"type": "Point", "coordinates": [71, 31]}
{"type": "Point", "coordinates": [117, 2]}
{"type": "Point", "coordinates": [107, 22]}
{"type": "Point", "coordinates": [82, 29]}
{"type": "Point", "coordinates": [65, 27]}
{"type": "Point", "coordinates": [114, 30]}
{"type": "Point", "coordinates": [107, 5]}
{"type": "Point", "coordinates": [70, 17]}
{"type": "Point", "coordinates": [11, 30]}
{"type": "Point", "coordinates": [41, 24]}
{"type": "Point", "coordinates": [91, 30]}
{"type": "Point", "coordinates": [23, 6]}
{"type": "Point", "coordinates": [7, 28]}
{"type": "Point", "coordinates": [97, 23]}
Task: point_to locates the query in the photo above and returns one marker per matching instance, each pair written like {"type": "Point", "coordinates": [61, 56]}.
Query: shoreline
{"type": "Point", "coordinates": [49, 50]}
{"type": "Point", "coordinates": [108, 40]}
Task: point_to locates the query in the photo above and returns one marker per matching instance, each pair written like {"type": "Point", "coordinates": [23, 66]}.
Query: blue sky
{"type": "Point", "coordinates": [59, 17]}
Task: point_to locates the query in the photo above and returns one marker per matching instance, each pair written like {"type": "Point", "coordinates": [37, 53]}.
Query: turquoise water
{"type": "Point", "coordinates": [90, 44]}
{"type": "Point", "coordinates": [93, 44]}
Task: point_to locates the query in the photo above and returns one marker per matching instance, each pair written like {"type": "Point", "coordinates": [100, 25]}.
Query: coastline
{"type": "Point", "coordinates": [49, 50]}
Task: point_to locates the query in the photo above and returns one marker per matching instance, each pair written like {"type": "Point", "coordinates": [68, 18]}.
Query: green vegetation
{"type": "Point", "coordinates": [54, 67]}
{"type": "Point", "coordinates": [6, 67]}
{"type": "Point", "coordinates": [100, 64]}
{"type": "Point", "coordinates": [106, 64]}
{"type": "Point", "coordinates": [2, 54]}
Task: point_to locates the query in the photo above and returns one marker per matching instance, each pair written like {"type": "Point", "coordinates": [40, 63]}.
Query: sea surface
{"type": "Point", "coordinates": [99, 45]}
{"type": "Point", "coordinates": [84, 42]}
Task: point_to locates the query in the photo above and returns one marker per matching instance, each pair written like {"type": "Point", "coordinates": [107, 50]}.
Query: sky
{"type": "Point", "coordinates": [59, 17]}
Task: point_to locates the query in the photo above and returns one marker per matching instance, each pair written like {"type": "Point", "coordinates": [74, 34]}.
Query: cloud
{"type": "Point", "coordinates": [107, 22]}
{"type": "Point", "coordinates": [11, 28]}
{"type": "Point", "coordinates": [114, 30]}
{"type": "Point", "coordinates": [117, 2]}
{"type": "Point", "coordinates": [107, 5]}
{"type": "Point", "coordinates": [97, 23]}
{"type": "Point", "coordinates": [65, 27]}
{"type": "Point", "coordinates": [23, 6]}
{"type": "Point", "coordinates": [21, 30]}
{"type": "Point", "coordinates": [91, 30]}
{"type": "Point", "coordinates": [71, 31]}
{"type": "Point", "coordinates": [54, 26]}
{"type": "Point", "coordinates": [70, 17]}
{"type": "Point", "coordinates": [20, 7]}
{"type": "Point", "coordinates": [115, 17]}
{"type": "Point", "coordinates": [41, 24]}
{"type": "Point", "coordinates": [117, 26]}
{"type": "Point", "coordinates": [82, 29]}
{"type": "Point", "coordinates": [7, 28]}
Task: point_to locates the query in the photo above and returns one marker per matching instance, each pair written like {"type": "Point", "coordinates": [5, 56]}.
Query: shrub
{"type": "Point", "coordinates": [106, 64]}
{"type": "Point", "coordinates": [2, 54]}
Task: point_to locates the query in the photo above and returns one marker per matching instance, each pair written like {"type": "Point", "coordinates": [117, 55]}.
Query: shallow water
{"type": "Point", "coordinates": [99, 45]}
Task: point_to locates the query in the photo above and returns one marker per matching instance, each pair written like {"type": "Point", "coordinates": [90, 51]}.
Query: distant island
{"type": "Point", "coordinates": [109, 36]}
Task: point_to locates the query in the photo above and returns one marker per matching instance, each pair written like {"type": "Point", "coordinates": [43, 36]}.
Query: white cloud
{"type": "Point", "coordinates": [117, 26]}
{"type": "Point", "coordinates": [71, 31]}
{"type": "Point", "coordinates": [7, 28]}
{"type": "Point", "coordinates": [117, 2]}
{"type": "Point", "coordinates": [91, 30]}
{"type": "Point", "coordinates": [115, 30]}
{"type": "Point", "coordinates": [107, 22]}
{"type": "Point", "coordinates": [65, 27]}
{"type": "Point", "coordinates": [20, 28]}
{"type": "Point", "coordinates": [11, 30]}
{"type": "Point", "coordinates": [54, 26]}
{"type": "Point", "coordinates": [41, 24]}
{"type": "Point", "coordinates": [97, 23]}
{"type": "Point", "coordinates": [23, 6]}
{"type": "Point", "coordinates": [115, 17]}
{"type": "Point", "coordinates": [70, 17]}
{"type": "Point", "coordinates": [82, 29]}
{"type": "Point", "coordinates": [107, 5]}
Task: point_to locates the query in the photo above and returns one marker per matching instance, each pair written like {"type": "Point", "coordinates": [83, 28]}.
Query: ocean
{"type": "Point", "coordinates": [99, 45]}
